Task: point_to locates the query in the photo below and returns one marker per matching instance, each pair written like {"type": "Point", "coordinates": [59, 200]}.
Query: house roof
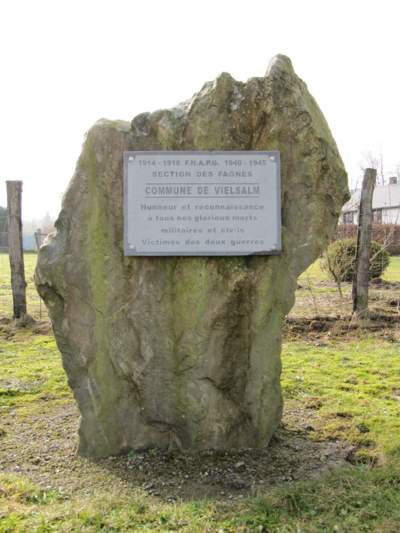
{"type": "Point", "coordinates": [384, 196]}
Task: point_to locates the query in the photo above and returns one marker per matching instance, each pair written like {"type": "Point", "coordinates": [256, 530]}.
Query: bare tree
{"type": "Point", "coordinates": [371, 159]}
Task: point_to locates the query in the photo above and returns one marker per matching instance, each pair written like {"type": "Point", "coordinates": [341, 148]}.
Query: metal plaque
{"type": "Point", "coordinates": [202, 203]}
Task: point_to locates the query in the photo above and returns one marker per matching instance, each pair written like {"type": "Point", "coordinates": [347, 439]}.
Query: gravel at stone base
{"type": "Point", "coordinates": [43, 448]}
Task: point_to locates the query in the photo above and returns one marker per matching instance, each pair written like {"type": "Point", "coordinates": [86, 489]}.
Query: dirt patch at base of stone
{"type": "Point", "coordinates": [43, 448]}
{"type": "Point", "coordinates": [228, 474]}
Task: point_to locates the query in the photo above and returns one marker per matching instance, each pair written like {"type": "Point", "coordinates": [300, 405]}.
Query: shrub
{"type": "Point", "coordinates": [386, 234]}
{"type": "Point", "coordinates": [339, 260]}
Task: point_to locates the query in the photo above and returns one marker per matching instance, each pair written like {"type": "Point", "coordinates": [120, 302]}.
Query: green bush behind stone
{"type": "Point", "coordinates": [339, 259]}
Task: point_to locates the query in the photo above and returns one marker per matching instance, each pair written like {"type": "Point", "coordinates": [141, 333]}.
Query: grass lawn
{"type": "Point", "coordinates": [354, 387]}
{"type": "Point", "coordinates": [345, 389]}
{"type": "Point", "coordinates": [35, 306]}
{"type": "Point", "coordinates": [350, 391]}
{"type": "Point", "coordinates": [392, 272]}
{"type": "Point", "coordinates": [315, 273]}
{"type": "Point", "coordinates": [318, 295]}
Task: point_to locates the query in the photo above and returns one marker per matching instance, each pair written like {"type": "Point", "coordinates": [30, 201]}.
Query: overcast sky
{"type": "Point", "coordinates": [65, 64]}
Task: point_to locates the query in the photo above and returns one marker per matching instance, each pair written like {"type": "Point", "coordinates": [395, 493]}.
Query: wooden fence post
{"type": "Point", "coordinates": [38, 238]}
{"type": "Point", "coordinates": [361, 267]}
{"type": "Point", "coordinates": [15, 250]}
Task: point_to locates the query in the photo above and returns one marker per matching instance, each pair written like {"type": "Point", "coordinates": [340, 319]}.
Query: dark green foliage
{"type": "Point", "coordinates": [340, 257]}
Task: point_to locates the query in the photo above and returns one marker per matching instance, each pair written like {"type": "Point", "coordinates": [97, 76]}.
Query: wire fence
{"type": "Point", "coordinates": [316, 294]}
{"type": "Point", "coordinates": [35, 306]}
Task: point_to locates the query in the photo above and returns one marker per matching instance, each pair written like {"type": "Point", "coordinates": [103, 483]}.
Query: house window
{"type": "Point", "coordinates": [377, 216]}
{"type": "Point", "coordinates": [348, 218]}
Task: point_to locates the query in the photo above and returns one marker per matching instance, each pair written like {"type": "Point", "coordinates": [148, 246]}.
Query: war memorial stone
{"type": "Point", "coordinates": [183, 351]}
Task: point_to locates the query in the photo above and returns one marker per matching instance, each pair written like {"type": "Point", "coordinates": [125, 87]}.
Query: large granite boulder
{"type": "Point", "coordinates": [184, 352]}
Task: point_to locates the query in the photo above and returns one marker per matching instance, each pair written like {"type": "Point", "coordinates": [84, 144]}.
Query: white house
{"type": "Point", "coordinates": [385, 205]}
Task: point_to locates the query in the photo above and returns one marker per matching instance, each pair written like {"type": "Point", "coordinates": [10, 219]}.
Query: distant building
{"type": "Point", "coordinates": [385, 205]}
{"type": "Point", "coordinates": [28, 243]}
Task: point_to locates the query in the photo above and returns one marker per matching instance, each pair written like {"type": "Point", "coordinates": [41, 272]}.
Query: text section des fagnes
{"type": "Point", "coordinates": [202, 203]}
